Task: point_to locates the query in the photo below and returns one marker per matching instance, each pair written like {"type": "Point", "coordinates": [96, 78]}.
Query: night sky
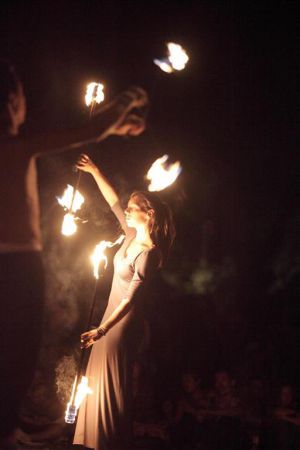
{"type": "Point", "coordinates": [231, 119]}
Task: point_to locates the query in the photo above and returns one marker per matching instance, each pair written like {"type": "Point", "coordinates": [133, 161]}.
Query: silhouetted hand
{"type": "Point", "coordinates": [134, 97]}
{"type": "Point", "coordinates": [129, 122]}
{"type": "Point", "coordinates": [133, 125]}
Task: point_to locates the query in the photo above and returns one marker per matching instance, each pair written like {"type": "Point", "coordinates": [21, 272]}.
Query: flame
{"type": "Point", "coordinates": [73, 405]}
{"type": "Point", "coordinates": [164, 65]}
{"type": "Point", "coordinates": [177, 56]}
{"type": "Point", "coordinates": [69, 226]}
{"type": "Point", "coordinates": [176, 59]}
{"type": "Point", "coordinates": [162, 175]}
{"type": "Point", "coordinates": [94, 93]}
{"type": "Point", "coordinates": [99, 254]}
{"type": "Point", "coordinates": [83, 389]}
{"type": "Point", "coordinates": [67, 200]}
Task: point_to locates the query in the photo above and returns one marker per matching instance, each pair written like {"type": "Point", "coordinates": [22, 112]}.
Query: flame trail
{"type": "Point", "coordinates": [162, 175]}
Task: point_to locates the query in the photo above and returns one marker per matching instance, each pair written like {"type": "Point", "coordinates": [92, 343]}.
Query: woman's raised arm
{"type": "Point", "coordinates": [113, 118]}
{"type": "Point", "coordinates": [87, 165]}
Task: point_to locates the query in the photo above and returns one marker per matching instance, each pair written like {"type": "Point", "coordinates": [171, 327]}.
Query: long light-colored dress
{"type": "Point", "coordinates": [105, 417]}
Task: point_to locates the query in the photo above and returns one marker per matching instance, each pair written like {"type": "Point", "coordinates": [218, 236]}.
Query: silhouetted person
{"type": "Point", "coordinates": [21, 269]}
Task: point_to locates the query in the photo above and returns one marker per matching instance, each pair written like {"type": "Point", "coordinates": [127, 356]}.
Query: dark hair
{"type": "Point", "coordinates": [162, 229]}
{"type": "Point", "coordinates": [8, 83]}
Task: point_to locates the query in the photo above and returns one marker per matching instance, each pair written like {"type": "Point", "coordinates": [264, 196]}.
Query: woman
{"type": "Point", "coordinates": [104, 421]}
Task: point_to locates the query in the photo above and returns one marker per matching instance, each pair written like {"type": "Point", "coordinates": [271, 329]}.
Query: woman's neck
{"type": "Point", "coordinates": [143, 236]}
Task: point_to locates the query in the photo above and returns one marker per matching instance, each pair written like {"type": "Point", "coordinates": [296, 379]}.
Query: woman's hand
{"type": "Point", "coordinates": [90, 337]}
{"type": "Point", "coordinates": [85, 164]}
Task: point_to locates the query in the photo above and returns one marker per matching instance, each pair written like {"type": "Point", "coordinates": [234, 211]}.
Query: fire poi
{"type": "Point", "coordinates": [94, 95]}
{"type": "Point", "coordinates": [80, 390]}
{"type": "Point", "coordinates": [72, 199]}
{"type": "Point", "coordinates": [176, 60]}
{"type": "Point", "coordinates": [161, 174]}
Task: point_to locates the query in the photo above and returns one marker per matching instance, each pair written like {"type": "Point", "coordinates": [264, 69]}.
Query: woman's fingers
{"type": "Point", "coordinates": [85, 336]}
{"type": "Point", "coordinates": [88, 338]}
{"type": "Point", "coordinates": [87, 344]}
{"type": "Point", "coordinates": [84, 163]}
{"type": "Point", "coordinates": [84, 158]}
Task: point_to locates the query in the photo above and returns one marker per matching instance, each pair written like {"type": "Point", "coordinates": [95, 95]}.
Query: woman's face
{"type": "Point", "coordinates": [134, 215]}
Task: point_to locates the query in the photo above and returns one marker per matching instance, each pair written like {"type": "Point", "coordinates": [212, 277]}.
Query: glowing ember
{"type": "Point", "coordinates": [99, 254]}
{"type": "Point", "coordinates": [67, 199]}
{"type": "Point", "coordinates": [176, 60]}
{"type": "Point", "coordinates": [94, 93]}
{"type": "Point", "coordinates": [161, 174]}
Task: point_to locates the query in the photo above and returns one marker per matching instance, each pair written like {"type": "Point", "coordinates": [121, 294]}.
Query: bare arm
{"type": "Point", "coordinates": [110, 119]}
{"type": "Point", "coordinates": [87, 165]}
{"type": "Point", "coordinates": [147, 264]}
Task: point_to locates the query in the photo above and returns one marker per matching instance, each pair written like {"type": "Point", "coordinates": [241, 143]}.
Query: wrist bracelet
{"type": "Point", "coordinates": [100, 332]}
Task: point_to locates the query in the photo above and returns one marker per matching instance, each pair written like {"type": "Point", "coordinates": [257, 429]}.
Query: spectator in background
{"type": "Point", "coordinates": [150, 430]}
{"type": "Point", "coordinates": [286, 406]}
{"type": "Point", "coordinates": [190, 412]}
{"type": "Point", "coordinates": [285, 426]}
{"type": "Point", "coordinates": [224, 399]}
{"type": "Point", "coordinates": [224, 426]}
{"type": "Point", "coordinates": [254, 398]}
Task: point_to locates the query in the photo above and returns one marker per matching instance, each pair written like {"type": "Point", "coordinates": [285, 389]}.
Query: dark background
{"type": "Point", "coordinates": [229, 295]}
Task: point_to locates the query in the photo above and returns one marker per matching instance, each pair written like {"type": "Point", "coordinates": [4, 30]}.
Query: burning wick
{"type": "Point", "coordinates": [176, 59]}
{"type": "Point", "coordinates": [162, 175]}
{"type": "Point", "coordinates": [82, 389]}
{"type": "Point", "coordinates": [94, 94]}
{"type": "Point", "coordinates": [71, 201]}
